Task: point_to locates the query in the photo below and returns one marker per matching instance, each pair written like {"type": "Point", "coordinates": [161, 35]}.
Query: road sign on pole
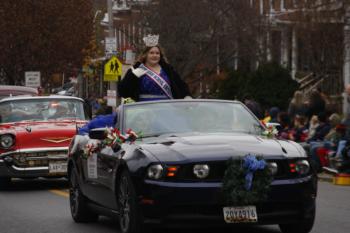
{"type": "Point", "coordinates": [110, 46]}
{"type": "Point", "coordinates": [32, 79]}
{"type": "Point", "coordinates": [112, 69]}
{"type": "Point", "coordinates": [112, 98]}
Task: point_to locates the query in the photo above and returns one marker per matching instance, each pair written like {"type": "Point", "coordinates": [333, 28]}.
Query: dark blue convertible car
{"type": "Point", "coordinates": [177, 169]}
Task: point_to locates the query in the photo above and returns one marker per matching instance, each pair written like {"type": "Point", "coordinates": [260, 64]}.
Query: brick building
{"type": "Point", "coordinates": [311, 38]}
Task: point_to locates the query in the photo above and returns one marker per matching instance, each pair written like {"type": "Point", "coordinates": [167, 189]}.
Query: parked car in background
{"type": "Point", "coordinates": [176, 171]}
{"type": "Point", "coordinates": [8, 90]}
{"type": "Point", "coordinates": [35, 133]}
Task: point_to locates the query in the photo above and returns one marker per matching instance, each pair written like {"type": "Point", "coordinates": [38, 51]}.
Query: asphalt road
{"type": "Point", "coordinates": [40, 206]}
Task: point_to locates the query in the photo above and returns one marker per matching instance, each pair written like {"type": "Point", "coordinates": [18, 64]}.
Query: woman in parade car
{"type": "Point", "coordinates": [152, 77]}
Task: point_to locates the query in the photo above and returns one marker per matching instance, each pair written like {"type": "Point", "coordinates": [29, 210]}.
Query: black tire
{"type": "Point", "coordinates": [304, 226]}
{"type": "Point", "coordinates": [5, 182]}
{"type": "Point", "coordinates": [130, 216]}
{"type": "Point", "coordinates": [78, 203]}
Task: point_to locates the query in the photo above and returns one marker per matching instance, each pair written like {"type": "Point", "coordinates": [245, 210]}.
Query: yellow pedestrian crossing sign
{"type": "Point", "coordinates": [112, 69]}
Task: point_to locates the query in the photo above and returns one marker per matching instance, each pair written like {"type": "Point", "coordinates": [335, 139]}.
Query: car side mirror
{"type": "Point", "coordinates": [99, 134]}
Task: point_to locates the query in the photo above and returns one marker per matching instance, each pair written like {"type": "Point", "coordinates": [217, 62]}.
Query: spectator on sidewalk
{"type": "Point", "coordinates": [346, 120]}
{"type": "Point", "coordinates": [300, 130]}
{"type": "Point", "coordinates": [320, 151]}
{"type": "Point", "coordinates": [315, 104]}
{"type": "Point", "coordinates": [296, 105]}
{"type": "Point", "coordinates": [313, 124]}
{"type": "Point", "coordinates": [274, 111]}
{"type": "Point", "coordinates": [254, 107]}
{"type": "Point", "coordinates": [284, 131]}
{"type": "Point", "coordinates": [322, 129]}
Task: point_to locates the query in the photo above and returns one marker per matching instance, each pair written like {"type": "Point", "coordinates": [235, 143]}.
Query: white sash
{"type": "Point", "coordinates": [158, 80]}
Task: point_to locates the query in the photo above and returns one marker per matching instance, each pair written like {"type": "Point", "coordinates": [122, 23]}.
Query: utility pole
{"type": "Point", "coordinates": [112, 85]}
{"type": "Point", "coordinates": [346, 66]}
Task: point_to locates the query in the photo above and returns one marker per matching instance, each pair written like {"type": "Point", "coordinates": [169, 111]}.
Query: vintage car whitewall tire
{"type": "Point", "coordinates": [304, 226]}
{"type": "Point", "coordinates": [130, 217]}
{"type": "Point", "coordinates": [78, 203]}
{"type": "Point", "coordinates": [5, 182]}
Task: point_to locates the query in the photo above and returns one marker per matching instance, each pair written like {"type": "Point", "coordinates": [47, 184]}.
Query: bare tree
{"type": "Point", "coordinates": [201, 37]}
{"type": "Point", "coordinates": [45, 35]}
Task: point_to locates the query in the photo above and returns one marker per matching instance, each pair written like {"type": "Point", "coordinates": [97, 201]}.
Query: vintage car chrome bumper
{"type": "Point", "coordinates": [288, 199]}
{"type": "Point", "coordinates": [34, 162]}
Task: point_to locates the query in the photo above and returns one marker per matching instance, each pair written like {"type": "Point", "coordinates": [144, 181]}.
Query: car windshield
{"type": "Point", "coordinates": [186, 117]}
{"type": "Point", "coordinates": [42, 109]}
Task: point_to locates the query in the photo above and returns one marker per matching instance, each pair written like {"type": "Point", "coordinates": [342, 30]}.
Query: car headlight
{"type": "Point", "coordinates": [273, 167]}
{"type": "Point", "coordinates": [7, 141]}
{"type": "Point", "coordinates": [201, 170]}
{"type": "Point", "coordinates": [155, 171]}
{"type": "Point", "coordinates": [302, 167]}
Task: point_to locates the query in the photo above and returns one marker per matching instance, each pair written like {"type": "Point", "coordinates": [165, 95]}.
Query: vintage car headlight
{"type": "Point", "coordinates": [7, 141]}
{"type": "Point", "coordinates": [302, 167]}
{"type": "Point", "coordinates": [273, 167]}
{"type": "Point", "coordinates": [201, 170]}
{"type": "Point", "coordinates": [155, 171]}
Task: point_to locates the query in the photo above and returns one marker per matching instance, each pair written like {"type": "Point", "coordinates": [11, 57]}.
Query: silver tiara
{"type": "Point", "coordinates": [151, 40]}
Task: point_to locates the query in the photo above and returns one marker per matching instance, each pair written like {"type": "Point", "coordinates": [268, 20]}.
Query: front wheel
{"type": "Point", "coordinates": [130, 217]}
{"type": "Point", "coordinates": [304, 226]}
{"type": "Point", "coordinates": [78, 203]}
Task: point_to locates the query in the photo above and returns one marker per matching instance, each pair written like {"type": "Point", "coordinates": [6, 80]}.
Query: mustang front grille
{"type": "Point", "coordinates": [218, 168]}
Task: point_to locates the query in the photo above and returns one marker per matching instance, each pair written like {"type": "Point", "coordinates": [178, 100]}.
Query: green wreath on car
{"type": "Point", "coordinates": [246, 181]}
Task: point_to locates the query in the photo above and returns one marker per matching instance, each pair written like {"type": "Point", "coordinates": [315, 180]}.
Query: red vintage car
{"type": "Point", "coordinates": [35, 133]}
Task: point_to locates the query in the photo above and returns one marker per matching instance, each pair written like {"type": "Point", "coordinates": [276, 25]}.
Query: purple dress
{"type": "Point", "coordinates": [149, 90]}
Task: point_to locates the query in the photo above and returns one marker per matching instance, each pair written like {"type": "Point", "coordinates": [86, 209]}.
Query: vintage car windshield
{"type": "Point", "coordinates": [42, 109]}
{"type": "Point", "coordinates": [186, 117]}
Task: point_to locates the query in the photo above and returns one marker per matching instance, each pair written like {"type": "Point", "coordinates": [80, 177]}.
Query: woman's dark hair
{"type": "Point", "coordinates": [143, 55]}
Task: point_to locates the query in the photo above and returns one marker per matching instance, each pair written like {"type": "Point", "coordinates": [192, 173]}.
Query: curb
{"type": "Point", "coordinates": [336, 179]}
{"type": "Point", "coordinates": [325, 179]}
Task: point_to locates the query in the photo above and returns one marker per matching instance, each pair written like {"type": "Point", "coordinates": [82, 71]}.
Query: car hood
{"type": "Point", "coordinates": [41, 134]}
{"type": "Point", "coordinates": [219, 147]}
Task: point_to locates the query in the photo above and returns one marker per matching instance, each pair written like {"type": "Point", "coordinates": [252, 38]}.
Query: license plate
{"type": "Point", "coordinates": [240, 214]}
{"type": "Point", "coordinates": [57, 167]}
